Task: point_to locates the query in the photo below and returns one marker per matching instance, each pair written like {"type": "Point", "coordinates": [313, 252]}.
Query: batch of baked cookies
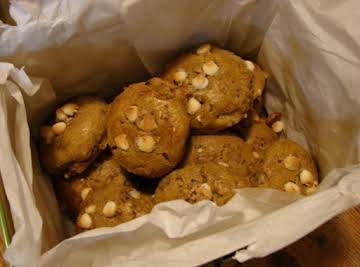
{"type": "Point", "coordinates": [197, 133]}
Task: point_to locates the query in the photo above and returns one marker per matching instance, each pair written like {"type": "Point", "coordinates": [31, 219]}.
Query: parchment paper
{"type": "Point", "coordinates": [311, 50]}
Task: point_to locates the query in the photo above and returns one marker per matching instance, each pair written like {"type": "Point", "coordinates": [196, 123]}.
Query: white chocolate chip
{"type": "Point", "coordinates": [277, 126]}
{"type": "Point", "coordinates": [134, 194]}
{"type": "Point", "coordinates": [147, 124]}
{"type": "Point", "coordinates": [292, 163]}
{"type": "Point", "coordinates": [85, 221]}
{"type": "Point", "coordinates": [59, 127]}
{"type": "Point", "coordinates": [291, 187]}
{"type": "Point", "coordinates": [193, 106]}
{"type": "Point", "coordinates": [210, 68]}
{"type": "Point", "coordinates": [200, 81]}
{"type": "Point", "coordinates": [131, 113]}
{"type": "Point", "coordinates": [306, 178]}
{"type": "Point", "coordinates": [310, 190]}
{"type": "Point", "coordinates": [255, 154]}
{"type": "Point", "coordinates": [198, 118]}
{"type": "Point", "coordinates": [205, 190]}
{"type": "Point", "coordinates": [85, 192]}
{"type": "Point", "coordinates": [60, 115]}
{"type": "Point", "coordinates": [90, 209]}
{"type": "Point", "coordinates": [47, 133]}
{"type": "Point", "coordinates": [121, 142]}
{"type": "Point", "coordinates": [145, 143]}
{"type": "Point", "coordinates": [223, 164]}
{"type": "Point", "coordinates": [70, 109]}
{"type": "Point", "coordinates": [249, 65]}
{"type": "Point", "coordinates": [109, 209]}
{"type": "Point", "coordinates": [180, 76]}
{"type": "Point", "coordinates": [200, 150]}
{"type": "Point", "coordinates": [203, 49]}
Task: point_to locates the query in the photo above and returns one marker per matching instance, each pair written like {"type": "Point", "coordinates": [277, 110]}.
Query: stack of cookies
{"type": "Point", "coordinates": [197, 133]}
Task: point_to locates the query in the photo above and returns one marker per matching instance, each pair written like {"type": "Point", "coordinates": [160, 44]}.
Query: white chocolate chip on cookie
{"type": "Point", "coordinates": [249, 65]}
{"type": "Point", "coordinates": [109, 209]}
{"type": "Point", "coordinates": [292, 163]}
{"type": "Point", "coordinates": [193, 106]}
{"type": "Point", "coordinates": [59, 127]}
{"type": "Point", "coordinates": [200, 81]}
{"type": "Point", "coordinates": [122, 142]}
{"type": "Point", "coordinates": [210, 68]}
{"type": "Point", "coordinates": [70, 109]}
{"type": "Point", "coordinates": [134, 194]}
{"type": "Point", "coordinates": [291, 187]}
{"type": "Point", "coordinates": [306, 178]}
{"type": "Point", "coordinates": [85, 192]}
{"type": "Point", "coordinates": [203, 49]}
{"type": "Point", "coordinates": [60, 115]}
{"type": "Point", "coordinates": [205, 190]}
{"type": "Point", "coordinates": [145, 143]}
{"type": "Point", "coordinates": [131, 113]}
{"type": "Point", "coordinates": [180, 76]}
{"type": "Point", "coordinates": [85, 221]}
{"type": "Point", "coordinates": [278, 126]}
{"type": "Point", "coordinates": [147, 124]}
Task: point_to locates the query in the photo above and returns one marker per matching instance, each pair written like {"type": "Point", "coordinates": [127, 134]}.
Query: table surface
{"type": "Point", "coordinates": [334, 244]}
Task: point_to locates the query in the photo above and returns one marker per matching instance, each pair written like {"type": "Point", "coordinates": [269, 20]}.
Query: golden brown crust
{"type": "Point", "coordinates": [72, 151]}
{"type": "Point", "coordinates": [227, 151]}
{"type": "Point", "coordinates": [260, 136]}
{"type": "Point", "coordinates": [194, 183]}
{"type": "Point", "coordinates": [225, 95]}
{"type": "Point", "coordinates": [284, 161]}
{"type": "Point", "coordinates": [148, 127]}
{"type": "Point", "coordinates": [103, 171]}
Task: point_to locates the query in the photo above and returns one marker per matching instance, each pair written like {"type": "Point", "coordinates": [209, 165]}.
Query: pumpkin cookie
{"type": "Point", "coordinates": [228, 151]}
{"type": "Point", "coordinates": [76, 137]}
{"type": "Point", "coordinates": [288, 167]}
{"type": "Point", "coordinates": [219, 86]}
{"type": "Point", "coordinates": [194, 183]}
{"type": "Point", "coordinates": [148, 127]}
{"type": "Point", "coordinates": [73, 191]}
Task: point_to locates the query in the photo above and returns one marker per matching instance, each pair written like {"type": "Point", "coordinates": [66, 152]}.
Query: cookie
{"type": "Point", "coordinates": [258, 84]}
{"type": "Point", "coordinates": [194, 183]}
{"type": "Point", "coordinates": [260, 136]}
{"type": "Point", "coordinates": [112, 205]}
{"type": "Point", "coordinates": [219, 86]}
{"type": "Point", "coordinates": [288, 167]}
{"type": "Point", "coordinates": [76, 137]}
{"type": "Point", "coordinates": [148, 127]}
{"type": "Point", "coordinates": [225, 150]}
{"type": "Point", "coordinates": [73, 191]}
{"type": "Point", "coordinates": [105, 196]}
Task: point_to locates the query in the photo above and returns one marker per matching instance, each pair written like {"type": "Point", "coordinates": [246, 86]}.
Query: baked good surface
{"type": "Point", "coordinates": [194, 183]}
{"type": "Point", "coordinates": [105, 196]}
{"type": "Point", "coordinates": [148, 127]}
{"type": "Point", "coordinates": [288, 167]}
{"type": "Point", "coordinates": [75, 138]}
{"type": "Point", "coordinates": [259, 81]}
{"type": "Point", "coordinates": [219, 86]}
{"type": "Point", "coordinates": [228, 151]}
{"type": "Point", "coordinates": [73, 191]}
{"type": "Point", "coordinates": [260, 136]}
